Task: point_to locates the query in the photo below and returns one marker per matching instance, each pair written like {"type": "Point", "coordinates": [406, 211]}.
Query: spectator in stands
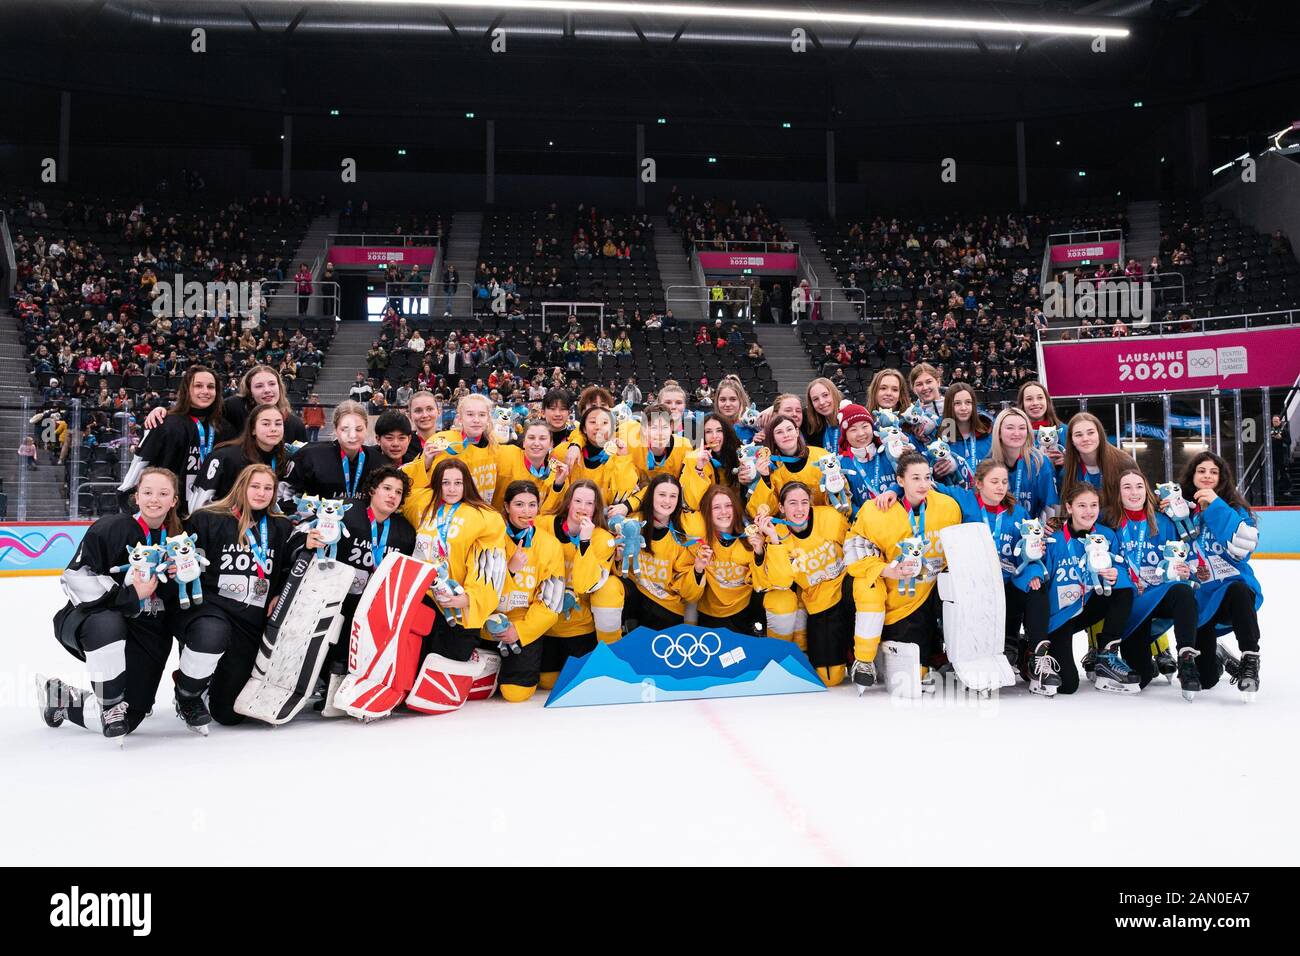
{"type": "Point", "coordinates": [416, 343]}
{"type": "Point", "coordinates": [450, 283]}
{"type": "Point", "coordinates": [704, 393]}
{"type": "Point", "coordinates": [27, 452]}
{"type": "Point", "coordinates": [1279, 434]}
{"type": "Point", "coordinates": [302, 282]}
{"type": "Point", "coordinates": [604, 345]}
{"type": "Point", "coordinates": [313, 417]}
{"type": "Point", "coordinates": [361, 389]}
{"type": "Point", "coordinates": [631, 393]}
{"type": "Point", "coordinates": [623, 344]}
{"type": "Point", "coordinates": [1279, 244]}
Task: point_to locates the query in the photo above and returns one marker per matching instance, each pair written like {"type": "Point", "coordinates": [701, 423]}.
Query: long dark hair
{"type": "Point", "coordinates": [185, 408]}
{"type": "Point", "coordinates": [979, 426]}
{"type": "Point", "coordinates": [469, 496]}
{"type": "Point", "coordinates": [247, 441]}
{"type": "Point", "coordinates": [729, 454]}
{"type": "Point", "coordinates": [1113, 512]}
{"type": "Point", "coordinates": [647, 510]}
{"type": "Point", "coordinates": [769, 436]}
{"type": "Point", "coordinates": [1225, 489]}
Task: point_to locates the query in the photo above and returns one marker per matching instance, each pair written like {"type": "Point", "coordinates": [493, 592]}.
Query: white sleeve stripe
{"type": "Point", "coordinates": [84, 586]}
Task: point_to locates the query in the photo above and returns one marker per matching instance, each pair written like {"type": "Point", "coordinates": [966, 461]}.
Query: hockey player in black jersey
{"type": "Point", "coordinates": [119, 616]}
{"type": "Point", "coordinates": [190, 430]}
{"type": "Point", "coordinates": [260, 385]}
{"type": "Point", "coordinates": [337, 469]}
{"type": "Point", "coordinates": [261, 442]}
{"type": "Point", "coordinates": [244, 538]}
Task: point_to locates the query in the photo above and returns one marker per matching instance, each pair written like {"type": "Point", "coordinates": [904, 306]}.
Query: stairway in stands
{"type": "Point", "coordinates": [46, 498]}
{"type": "Point", "coordinates": [1143, 239]}
{"type": "Point", "coordinates": [462, 252]}
{"type": "Point", "coordinates": [346, 357]}
{"type": "Point", "coordinates": [313, 244]}
{"type": "Point", "coordinates": [835, 304]}
{"type": "Point", "coordinates": [675, 269]}
{"type": "Point", "coordinates": [791, 369]}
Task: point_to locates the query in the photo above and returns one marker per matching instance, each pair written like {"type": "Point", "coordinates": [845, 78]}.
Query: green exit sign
{"type": "Point", "coordinates": [747, 271]}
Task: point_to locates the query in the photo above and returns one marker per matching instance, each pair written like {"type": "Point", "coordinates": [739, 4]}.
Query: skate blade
{"type": "Point", "coordinates": [1248, 696]}
{"type": "Point", "coordinates": [1114, 687]}
{"type": "Point", "coordinates": [201, 729]}
{"type": "Point", "coordinates": [1190, 695]}
{"type": "Point", "coordinates": [1048, 692]}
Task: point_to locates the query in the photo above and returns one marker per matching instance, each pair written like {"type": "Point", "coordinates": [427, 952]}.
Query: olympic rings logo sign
{"type": "Point", "coordinates": [696, 650]}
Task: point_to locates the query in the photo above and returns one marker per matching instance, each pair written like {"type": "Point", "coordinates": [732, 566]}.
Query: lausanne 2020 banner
{"type": "Point", "coordinates": [33, 547]}
{"type": "Point", "coordinates": [1238, 358]}
{"type": "Point", "coordinates": [686, 662]}
{"type": "Point", "coordinates": [379, 255]}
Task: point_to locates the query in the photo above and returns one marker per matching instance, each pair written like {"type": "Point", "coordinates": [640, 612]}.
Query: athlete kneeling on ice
{"type": "Point", "coordinates": [456, 529]}
{"type": "Point", "coordinates": [1229, 597]}
{"type": "Point", "coordinates": [740, 563]}
{"type": "Point", "coordinates": [532, 596]}
{"type": "Point", "coordinates": [882, 611]}
{"type": "Point", "coordinates": [245, 538]}
{"type": "Point", "coordinates": [118, 620]}
{"type": "Point", "coordinates": [1076, 606]}
{"type": "Point", "coordinates": [662, 579]}
{"type": "Point", "coordinates": [1164, 588]}
{"type": "Point", "coordinates": [1023, 576]}
{"type": "Point", "coordinates": [594, 595]}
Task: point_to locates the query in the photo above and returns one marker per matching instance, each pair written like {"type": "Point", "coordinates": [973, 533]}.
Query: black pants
{"type": "Point", "coordinates": [146, 658]}
{"type": "Point", "coordinates": [1030, 608]}
{"type": "Point", "coordinates": [749, 620]}
{"type": "Point", "coordinates": [211, 630]}
{"type": "Point", "coordinates": [645, 610]}
{"type": "Point", "coordinates": [919, 628]}
{"type": "Point", "coordinates": [557, 650]}
{"type": "Point", "coordinates": [452, 641]}
{"type": "Point", "coordinates": [1237, 609]}
{"type": "Point", "coordinates": [1178, 605]}
{"type": "Point", "coordinates": [1113, 610]}
{"type": "Point", "coordinates": [830, 632]}
{"type": "Point", "coordinates": [522, 669]}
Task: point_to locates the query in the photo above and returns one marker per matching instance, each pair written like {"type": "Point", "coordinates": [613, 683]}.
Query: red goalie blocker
{"type": "Point", "coordinates": [384, 646]}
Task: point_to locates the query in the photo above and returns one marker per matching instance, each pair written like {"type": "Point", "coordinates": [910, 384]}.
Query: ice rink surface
{"type": "Point", "coordinates": [823, 778]}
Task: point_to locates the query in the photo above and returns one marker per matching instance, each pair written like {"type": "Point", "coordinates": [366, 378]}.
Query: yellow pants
{"type": "Point", "coordinates": [868, 617]}
{"type": "Point", "coordinates": [607, 610]}
{"type": "Point", "coordinates": [786, 618]}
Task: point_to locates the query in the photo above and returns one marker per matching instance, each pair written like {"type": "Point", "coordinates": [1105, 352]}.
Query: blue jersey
{"type": "Point", "coordinates": [1034, 488]}
{"type": "Point", "coordinates": [868, 479]}
{"type": "Point", "coordinates": [1067, 591]}
{"type": "Point", "coordinates": [1216, 524]}
{"type": "Point", "coordinates": [1091, 477]}
{"type": "Point", "coordinates": [1003, 526]}
{"type": "Point", "coordinates": [1141, 547]}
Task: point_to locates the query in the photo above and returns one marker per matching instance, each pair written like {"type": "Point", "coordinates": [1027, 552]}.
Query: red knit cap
{"type": "Point", "coordinates": [850, 415]}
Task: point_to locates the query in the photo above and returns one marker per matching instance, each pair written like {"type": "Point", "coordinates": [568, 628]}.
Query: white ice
{"type": "Point", "coordinates": [801, 779]}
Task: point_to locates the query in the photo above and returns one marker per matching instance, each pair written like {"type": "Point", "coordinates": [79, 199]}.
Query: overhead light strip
{"type": "Point", "coordinates": [770, 14]}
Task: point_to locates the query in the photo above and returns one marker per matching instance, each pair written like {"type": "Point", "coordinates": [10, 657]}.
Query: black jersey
{"type": "Point", "coordinates": [176, 445]}
{"type": "Point", "coordinates": [223, 467]}
{"type": "Point", "coordinates": [91, 585]}
{"type": "Point", "coordinates": [235, 410]}
{"type": "Point", "coordinates": [231, 580]}
{"type": "Point", "coordinates": [357, 551]}
{"type": "Point", "coordinates": [318, 470]}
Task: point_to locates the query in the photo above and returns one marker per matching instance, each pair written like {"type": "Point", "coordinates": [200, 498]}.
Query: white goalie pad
{"type": "Point", "coordinates": [298, 635]}
{"type": "Point", "coordinates": [974, 608]}
{"type": "Point", "coordinates": [898, 668]}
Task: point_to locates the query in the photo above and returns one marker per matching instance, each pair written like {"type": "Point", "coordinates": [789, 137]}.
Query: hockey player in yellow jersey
{"type": "Point", "coordinates": [814, 612]}
{"type": "Point", "coordinates": [894, 596]}
{"type": "Point", "coordinates": [604, 460]}
{"type": "Point", "coordinates": [742, 561]}
{"type": "Point", "coordinates": [533, 460]}
{"type": "Point", "coordinates": [654, 449]}
{"type": "Point", "coordinates": [715, 463]}
{"type": "Point", "coordinates": [660, 578]}
{"type": "Point", "coordinates": [594, 595]}
{"type": "Point", "coordinates": [532, 596]}
{"type": "Point", "coordinates": [783, 458]}
{"type": "Point", "coordinates": [472, 441]}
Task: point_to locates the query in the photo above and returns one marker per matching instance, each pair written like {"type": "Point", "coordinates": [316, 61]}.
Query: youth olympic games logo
{"type": "Point", "coordinates": [697, 650]}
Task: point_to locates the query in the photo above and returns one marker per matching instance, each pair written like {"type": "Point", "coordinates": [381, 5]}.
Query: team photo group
{"type": "Point", "coordinates": [407, 567]}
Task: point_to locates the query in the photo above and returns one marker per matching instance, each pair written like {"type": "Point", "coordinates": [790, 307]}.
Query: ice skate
{"type": "Point", "coordinates": [1112, 674]}
{"type": "Point", "coordinates": [863, 674]}
{"type": "Point", "coordinates": [53, 697]}
{"type": "Point", "coordinates": [1090, 663]}
{"type": "Point", "coordinates": [1229, 663]}
{"type": "Point", "coordinates": [1189, 678]}
{"type": "Point", "coordinates": [114, 722]}
{"type": "Point", "coordinates": [1045, 672]}
{"type": "Point", "coordinates": [193, 711]}
{"type": "Point", "coordinates": [1166, 665]}
{"type": "Point", "coordinates": [1248, 675]}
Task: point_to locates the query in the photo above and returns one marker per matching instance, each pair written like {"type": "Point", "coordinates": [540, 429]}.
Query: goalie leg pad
{"type": "Point", "coordinates": [974, 608]}
{"type": "Point", "coordinates": [898, 668]}
{"type": "Point", "coordinates": [298, 636]}
{"type": "Point", "coordinates": [607, 610]}
{"type": "Point", "coordinates": [387, 631]}
{"type": "Point", "coordinates": [443, 685]}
